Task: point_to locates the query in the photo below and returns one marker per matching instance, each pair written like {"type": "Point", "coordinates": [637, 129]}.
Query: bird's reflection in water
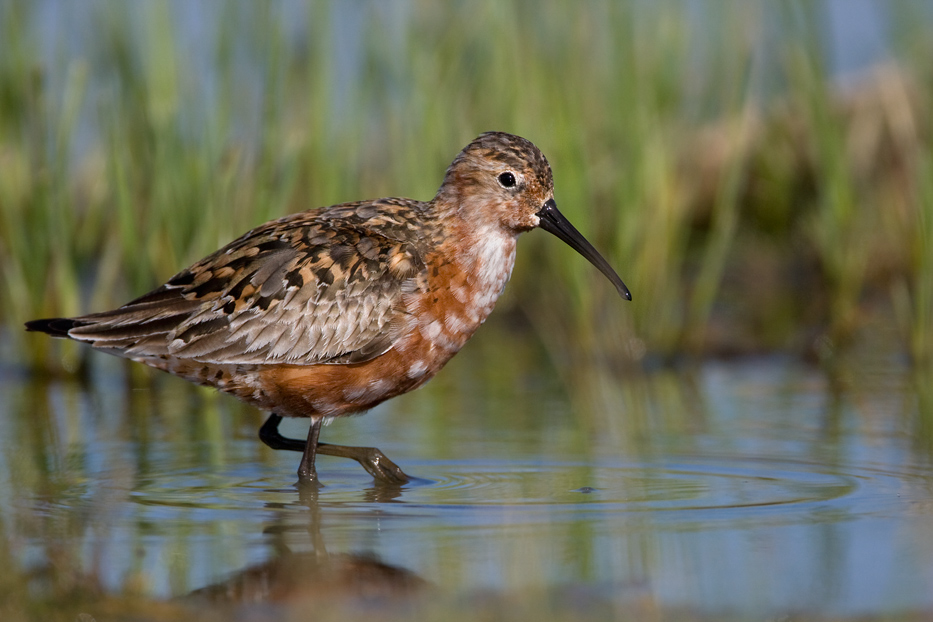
{"type": "Point", "coordinates": [316, 575]}
{"type": "Point", "coordinates": [311, 576]}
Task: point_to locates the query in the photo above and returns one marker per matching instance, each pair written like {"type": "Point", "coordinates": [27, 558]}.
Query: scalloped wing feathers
{"type": "Point", "coordinates": [324, 286]}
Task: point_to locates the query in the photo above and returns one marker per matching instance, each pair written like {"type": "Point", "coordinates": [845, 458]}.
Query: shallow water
{"type": "Point", "coordinates": [762, 486]}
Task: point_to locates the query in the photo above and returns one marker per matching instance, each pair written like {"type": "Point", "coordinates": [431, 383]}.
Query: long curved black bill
{"type": "Point", "coordinates": [554, 222]}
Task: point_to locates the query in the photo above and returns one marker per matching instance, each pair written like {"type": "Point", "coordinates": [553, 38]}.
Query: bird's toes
{"type": "Point", "coordinates": [384, 470]}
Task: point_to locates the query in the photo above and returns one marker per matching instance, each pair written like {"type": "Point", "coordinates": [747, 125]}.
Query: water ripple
{"type": "Point", "coordinates": [719, 486]}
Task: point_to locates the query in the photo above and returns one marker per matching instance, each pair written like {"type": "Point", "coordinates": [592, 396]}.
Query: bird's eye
{"type": "Point", "coordinates": [507, 179]}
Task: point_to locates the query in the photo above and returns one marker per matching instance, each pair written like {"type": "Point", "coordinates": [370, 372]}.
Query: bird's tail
{"type": "Point", "coordinates": [56, 326]}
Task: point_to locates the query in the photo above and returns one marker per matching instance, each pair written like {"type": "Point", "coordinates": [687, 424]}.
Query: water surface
{"type": "Point", "coordinates": [761, 485]}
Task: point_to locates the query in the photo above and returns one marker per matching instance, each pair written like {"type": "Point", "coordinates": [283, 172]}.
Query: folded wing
{"type": "Point", "coordinates": [291, 292]}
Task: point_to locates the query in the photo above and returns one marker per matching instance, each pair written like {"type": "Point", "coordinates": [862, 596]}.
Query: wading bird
{"type": "Point", "coordinates": [331, 311]}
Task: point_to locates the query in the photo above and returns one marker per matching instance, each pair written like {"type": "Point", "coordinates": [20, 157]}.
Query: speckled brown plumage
{"type": "Point", "coordinates": [331, 311]}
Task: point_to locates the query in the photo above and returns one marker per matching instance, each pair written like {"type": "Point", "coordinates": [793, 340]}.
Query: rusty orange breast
{"type": "Point", "coordinates": [459, 293]}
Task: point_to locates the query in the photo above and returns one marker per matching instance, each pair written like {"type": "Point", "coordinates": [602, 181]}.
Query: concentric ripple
{"type": "Point", "coordinates": [672, 486]}
{"type": "Point", "coordinates": [717, 486]}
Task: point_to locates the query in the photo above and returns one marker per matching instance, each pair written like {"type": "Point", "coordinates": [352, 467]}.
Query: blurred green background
{"type": "Point", "coordinates": [758, 187]}
{"type": "Point", "coordinates": [759, 172]}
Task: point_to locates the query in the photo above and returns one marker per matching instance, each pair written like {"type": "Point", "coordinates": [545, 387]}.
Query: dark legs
{"type": "Point", "coordinates": [371, 459]}
{"type": "Point", "coordinates": [306, 471]}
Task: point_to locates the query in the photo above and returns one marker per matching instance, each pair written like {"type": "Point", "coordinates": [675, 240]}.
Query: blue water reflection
{"type": "Point", "coordinates": [786, 497]}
